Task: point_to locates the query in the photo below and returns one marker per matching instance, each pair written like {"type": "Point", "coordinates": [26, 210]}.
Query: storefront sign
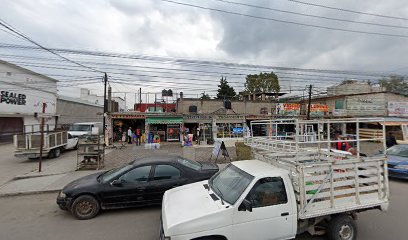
{"type": "Point", "coordinates": [164, 120]}
{"type": "Point", "coordinates": [230, 117]}
{"type": "Point", "coordinates": [237, 130]}
{"type": "Point", "coordinates": [12, 98]}
{"type": "Point", "coordinates": [318, 109]}
{"type": "Point", "coordinates": [197, 118]}
{"type": "Point", "coordinates": [128, 116]}
{"type": "Point", "coordinates": [398, 109]}
{"type": "Point", "coordinates": [219, 147]}
{"type": "Point", "coordinates": [289, 109]}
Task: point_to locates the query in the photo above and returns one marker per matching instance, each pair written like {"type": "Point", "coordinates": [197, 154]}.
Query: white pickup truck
{"type": "Point", "coordinates": [256, 199]}
{"type": "Point", "coordinates": [298, 184]}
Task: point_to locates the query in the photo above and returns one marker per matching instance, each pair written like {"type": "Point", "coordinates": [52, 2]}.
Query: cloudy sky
{"type": "Point", "coordinates": [160, 28]}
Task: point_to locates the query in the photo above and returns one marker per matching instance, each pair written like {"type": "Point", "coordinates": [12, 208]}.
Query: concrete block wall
{"type": "Point", "coordinates": [210, 106]}
{"type": "Point", "coordinates": [72, 112]}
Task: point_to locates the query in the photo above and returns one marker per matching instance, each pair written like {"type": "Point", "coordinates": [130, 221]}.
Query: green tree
{"type": "Point", "coordinates": [394, 83]}
{"type": "Point", "coordinates": [348, 81]}
{"type": "Point", "coordinates": [225, 90]}
{"type": "Point", "coordinates": [204, 96]}
{"type": "Point", "coordinates": [262, 83]}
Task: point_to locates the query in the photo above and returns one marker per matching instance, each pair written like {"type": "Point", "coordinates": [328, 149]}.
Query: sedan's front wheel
{"type": "Point", "coordinates": [85, 207]}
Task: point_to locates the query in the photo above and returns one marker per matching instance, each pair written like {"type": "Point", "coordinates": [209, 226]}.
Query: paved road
{"type": "Point", "coordinates": [37, 217]}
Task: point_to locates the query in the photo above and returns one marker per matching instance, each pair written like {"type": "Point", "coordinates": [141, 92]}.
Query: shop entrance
{"type": "Point", "coordinates": [121, 126]}
{"type": "Point", "coordinates": [165, 132]}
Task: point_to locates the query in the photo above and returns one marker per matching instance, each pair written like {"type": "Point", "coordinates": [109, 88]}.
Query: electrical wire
{"type": "Point", "coordinates": [310, 15]}
{"type": "Point", "coordinates": [15, 31]}
{"type": "Point", "coordinates": [348, 10]}
{"type": "Point", "coordinates": [286, 21]}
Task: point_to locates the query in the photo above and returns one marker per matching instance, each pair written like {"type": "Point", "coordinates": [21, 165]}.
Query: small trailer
{"type": "Point", "coordinates": [28, 145]}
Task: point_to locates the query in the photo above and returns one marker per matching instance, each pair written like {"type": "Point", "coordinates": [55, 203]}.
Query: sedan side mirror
{"type": "Point", "coordinates": [116, 183]}
{"type": "Point", "coordinates": [246, 205]}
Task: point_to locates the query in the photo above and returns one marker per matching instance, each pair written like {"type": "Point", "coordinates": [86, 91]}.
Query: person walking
{"type": "Point", "coordinates": [130, 134]}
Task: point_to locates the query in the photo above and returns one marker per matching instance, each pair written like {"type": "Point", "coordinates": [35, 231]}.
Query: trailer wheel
{"type": "Point", "coordinates": [342, 227]}
{"type": "Point", "coordinates": [56, 152]}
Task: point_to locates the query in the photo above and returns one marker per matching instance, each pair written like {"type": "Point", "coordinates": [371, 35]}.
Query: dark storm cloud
{"type": "Point", "coordinates": [268, 41]}
{"type": "Point", "coordinates": [154, 27]}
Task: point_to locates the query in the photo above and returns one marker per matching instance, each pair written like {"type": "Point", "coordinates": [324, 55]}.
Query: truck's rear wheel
{"type": "Point", "coordinates": [56, 152]}
{"type": "Point", "coordinates": [342, 227]}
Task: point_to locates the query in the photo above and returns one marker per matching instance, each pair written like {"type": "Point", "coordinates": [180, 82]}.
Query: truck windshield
{"type": "Point", "coordinates": [80, 128]}
{"type": "Point", "coordinates": [230, 183]}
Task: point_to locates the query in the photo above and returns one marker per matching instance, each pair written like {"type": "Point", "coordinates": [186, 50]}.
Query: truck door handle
{"type": "Point", "coordinates": [285, 214]}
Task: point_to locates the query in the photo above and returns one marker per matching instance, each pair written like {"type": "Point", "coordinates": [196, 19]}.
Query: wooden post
{"type": "Point", "coordinates": [42, 137]}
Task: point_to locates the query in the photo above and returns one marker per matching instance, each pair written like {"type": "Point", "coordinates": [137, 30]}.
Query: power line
{"type": "Point", "coordinates": [228, 74]}
{"type": "Point", "coordinates": [348, 10]}
{"type": "Point", "coordinates": [286, 21]}
{"type": "Point", "coordinates": [311, 15]}
{"type": "Point", "coordinates": [217, 64]}
{"type": "Point", "coordinates": [12, 29]}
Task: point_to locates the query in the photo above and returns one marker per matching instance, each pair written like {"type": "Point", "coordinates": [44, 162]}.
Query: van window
{"type": "Point", "coordinates": [81, 128]}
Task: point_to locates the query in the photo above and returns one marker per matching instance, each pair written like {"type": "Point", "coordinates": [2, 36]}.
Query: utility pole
{"type": "Point", "coordinates": [310, 102]}
{"type": "Point", "coordinates": [155, 101]}
{"type": "Point", "coordinates": [104, 103]}
{"type": "Point", "coordinates": [44, 105]}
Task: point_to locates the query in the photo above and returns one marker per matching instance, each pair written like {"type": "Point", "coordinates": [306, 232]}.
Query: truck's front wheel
{"type": "Point", "coordinates": [342, 227]}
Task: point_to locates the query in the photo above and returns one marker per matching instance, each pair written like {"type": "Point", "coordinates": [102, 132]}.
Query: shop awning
{"type": "Point", "coordinates": [164, 120]}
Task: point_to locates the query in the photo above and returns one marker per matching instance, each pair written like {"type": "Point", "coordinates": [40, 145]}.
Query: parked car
{"type": "Point", "coordinates": [398, 161]}
{"type": "Point", "coordinates": [138, 183]}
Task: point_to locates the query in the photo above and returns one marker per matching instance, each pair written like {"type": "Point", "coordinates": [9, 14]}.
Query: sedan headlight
{"type": "Point", "coordinates": [401, 167]}
{"type": "Point", "coordinates": [62, 195]}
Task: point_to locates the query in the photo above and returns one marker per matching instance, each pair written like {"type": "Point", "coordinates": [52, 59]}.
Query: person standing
{"type": "Point", "coordinates": [138, 136]}
{"type": "Point", "coordinates": [198, 136]}
{"type": "Point", "coordinates": [129, 134]}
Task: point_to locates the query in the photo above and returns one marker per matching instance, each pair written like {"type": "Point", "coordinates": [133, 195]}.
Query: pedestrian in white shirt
{"type": "Point", "coordinates": [130, 134]}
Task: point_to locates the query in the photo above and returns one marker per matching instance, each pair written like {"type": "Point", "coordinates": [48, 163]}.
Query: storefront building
{"type": "Point", "coordinates": [117, 124]}
{"type": "Point", "coordinates": [204, 122]}
{"type": "Point", "coordinates": [229, 126]}
{"type": "Point", "coordinates": [22, 97]}
{"type": "Point", "coordinates": [167, 128]}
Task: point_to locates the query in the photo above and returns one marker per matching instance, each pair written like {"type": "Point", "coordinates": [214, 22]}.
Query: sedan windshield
{"type": "Point", "coordinates": [398, 150]}
{"type": "Point", "coordinates": [190, 163]}
{"type": "Point", "coordinates": [230, 183]}
{"type": "Point", "coordinates": [114, 173]}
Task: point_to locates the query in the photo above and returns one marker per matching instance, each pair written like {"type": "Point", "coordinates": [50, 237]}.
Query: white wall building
{"type": "Point", "coordinates": [95, 99]}
{"type": "Point", "coordinates": [23, 93]}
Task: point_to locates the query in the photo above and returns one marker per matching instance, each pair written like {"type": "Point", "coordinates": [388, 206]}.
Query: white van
{"type": "Point", "coordinates": [79, 129]}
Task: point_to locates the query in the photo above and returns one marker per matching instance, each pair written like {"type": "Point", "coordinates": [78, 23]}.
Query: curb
{"type": "Point", "coordinates": [19, 177]}
{"type": "Point", "coordinates": [28, 193]}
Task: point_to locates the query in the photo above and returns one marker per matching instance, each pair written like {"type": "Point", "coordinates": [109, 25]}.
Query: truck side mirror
{"type": "Point", "coordinates": [246, 205]}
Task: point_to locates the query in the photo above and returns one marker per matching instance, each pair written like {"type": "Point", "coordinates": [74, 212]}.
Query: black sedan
{"type": "Point", "coordinates": [138, 183]}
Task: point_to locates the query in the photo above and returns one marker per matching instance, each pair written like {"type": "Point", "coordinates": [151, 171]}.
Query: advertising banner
{"type": "Point", "coordinates": [398, 109]}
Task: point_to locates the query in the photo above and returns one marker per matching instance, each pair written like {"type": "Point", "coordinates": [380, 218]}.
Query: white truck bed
{"type": "Point", "coordinates": [325, 188]}
{"type": "Point", "coordinates": [325, 181]}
